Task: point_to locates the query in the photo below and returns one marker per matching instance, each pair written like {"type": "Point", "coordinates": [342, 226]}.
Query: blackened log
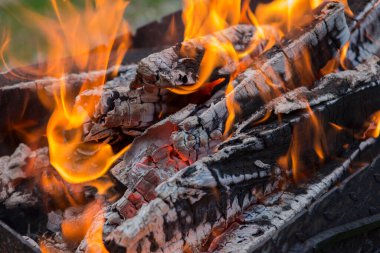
{"type": "Point", "coordinates": [201, 131]}
{"type": "Point", "coordinates": [210, 192]}
{"type": "Point", "coordinates": [365, 32]}
{"type": "Point", "coordinates": [179, 65]}
{"type": "Point", "coordinates": [306, 217]}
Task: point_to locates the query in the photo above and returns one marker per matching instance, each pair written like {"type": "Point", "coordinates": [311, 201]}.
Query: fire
{"type": "Point", "coordinates": [75, 227]}
{"type": "Point", "coordinates": [74, 33]}
{"type": "Point", "coordinates": [373, 129]}
{"type": "Point", "coordinates": [202, 17]}
{"type": "Point", "coordinates": [272, 21]}
{"type": "Point", "coordinates": [305, 138]}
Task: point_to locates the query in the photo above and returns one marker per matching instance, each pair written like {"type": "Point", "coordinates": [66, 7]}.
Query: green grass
{"type": "Point", "coordinates": [25, 38]}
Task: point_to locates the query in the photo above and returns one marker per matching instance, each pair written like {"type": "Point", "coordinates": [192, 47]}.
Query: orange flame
{"type": "Point", "coordinates": [86, 36]}
{"type": "Point", "coordinates": [373, 129]}
{"type": "Point", "coordinates": [74, 33]}
{"type": "Point", "coordinates": [75, 227]}
{"type": "Point", "coordinates": [311, 137]}
{"type": "Point", "coordinates": [202, 17]}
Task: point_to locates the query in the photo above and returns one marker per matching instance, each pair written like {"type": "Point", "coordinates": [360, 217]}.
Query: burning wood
{"type": "Point", "coordinates": [197, 135]}
{"type": "Point", "coordinates": [180, 65]}
{"type": "Point", "coordinates": [210, 192]}
{"type": "Point", "coordinates": [224, 121]}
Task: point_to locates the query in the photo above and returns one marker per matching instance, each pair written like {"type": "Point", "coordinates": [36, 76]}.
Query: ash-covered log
{"type": "Point", "coordinates": [209, 193]}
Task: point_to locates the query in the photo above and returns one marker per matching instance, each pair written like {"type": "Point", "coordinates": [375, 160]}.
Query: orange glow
{"type": "Point", "coordinates": [373, 129]}
{"type": "Point", "coordinates": [232, 109]}
{"type": "Point", "coordinates": [76, 226]}
{"type": "Point", "coordinates": [343, 55]}
{"type": "Point", "coordinates": [337, 127]}
{"type": "Point", "coordinates": [311, 136]}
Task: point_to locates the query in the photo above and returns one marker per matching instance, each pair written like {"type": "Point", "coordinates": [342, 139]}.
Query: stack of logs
{"type": "Point", "coordinates": [184, 178]}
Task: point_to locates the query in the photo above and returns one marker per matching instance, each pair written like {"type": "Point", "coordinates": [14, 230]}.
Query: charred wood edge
{"type": "Point", "coordinates": [205, 125]}
{"type": "Point", "coordinates": [178, 216]}
{"type": "Point", "coordinates": [265, 223]}
{"type": "Point", "coordinates": [177, 65]}
{"type": "Point", "coordinates": [12, 242]}
{"type": "Point", "coordinates": [365, 32]}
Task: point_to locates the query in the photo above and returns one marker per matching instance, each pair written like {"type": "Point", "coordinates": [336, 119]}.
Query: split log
{"type": "Point", "coordinates": [179, 65]}
{"type": "Point", "coordinates": [213, 190]}
{"type": "Point", "coordinates": [199, 132]}
{"type": "Point", "coordinates": [365, 32]}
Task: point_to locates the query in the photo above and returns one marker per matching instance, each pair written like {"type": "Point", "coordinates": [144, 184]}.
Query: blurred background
{"type": "Point", "coordinates": [24, 39]}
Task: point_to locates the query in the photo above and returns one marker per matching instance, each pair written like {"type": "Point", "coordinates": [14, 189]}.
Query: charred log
{"type": "Point", "coordinates": [201, 130]}
{"type": "Point", "coordinates": [211, 191]}
{"type": "Point", "coordinates": [179, 65]}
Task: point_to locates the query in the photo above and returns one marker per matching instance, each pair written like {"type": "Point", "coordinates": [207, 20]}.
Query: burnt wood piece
{"type": "Point", "coordinates": [123, 110]}
{"type": "Point", "coordinates": [20, 103]}
{"type": "Point", "coordinates": [201, 130]}
{"type": "Point", "coordinates": [210, 192]}
{"type": "Point", "coordinates": [365, 32]}
{"type": "Point", "coordinates": [179, 65]}
{"type": "Point", "coordinates": [318, 215]}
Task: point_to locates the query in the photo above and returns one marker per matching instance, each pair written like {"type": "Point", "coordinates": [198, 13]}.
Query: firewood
{"type": "Point", "coordinates": [214, 189]}
{"type": "Point", "coordinates": [179, 65]}
{"type": "Point", "coordinates": [123, 124]}
{"type": "Point", "coordinates": [201, 131]}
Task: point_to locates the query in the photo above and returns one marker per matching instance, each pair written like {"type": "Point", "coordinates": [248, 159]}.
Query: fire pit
{"type": "Point", "coordinates": [229, 126]}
